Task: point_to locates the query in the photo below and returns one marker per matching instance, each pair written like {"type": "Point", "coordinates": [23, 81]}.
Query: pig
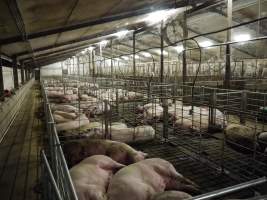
{"type": "Point", "coordinates": [66, 114]}
{"type": "Point", "coordinates": [171, 195]}
{"type": "Point", "coordinates": [146, 178]}
{"type": "Point", "coordinates": [76, 151]}
{"type": "Point", "coordinates": [241, 136]}
{"type": "Point", "coordinates": [65, 108]}
{"type": "Point", "coordinates": [80, 121]}
{"type": "Point", "coordinates": [91, 176]}
{"type": "Point", "coordinates": [60, 119]}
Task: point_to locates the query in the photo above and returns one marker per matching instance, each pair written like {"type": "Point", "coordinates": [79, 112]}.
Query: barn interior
{"type": "Point", "coordinates": [155, 85]}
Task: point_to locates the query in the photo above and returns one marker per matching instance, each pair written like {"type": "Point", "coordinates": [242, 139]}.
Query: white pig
{"type": "Point", "coordinates": [144, 179]}
{"type": "Point", "coordinates": [91, 176]}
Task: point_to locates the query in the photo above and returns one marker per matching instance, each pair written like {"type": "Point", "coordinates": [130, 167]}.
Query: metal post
{"type": "Point", "coordinates": [185, 35]}
{"type": "Point", "coordinates": [134, 64]}
{"type": "Point", "coordinates": [165, 119]}
{"type": "Point", "coordinates": [161, 53]}
{"type": "Point", "coordinates": [2, 98]}
{"type": "Point", "coordinates": [22, 74]}
{"type": "Point", "coordinates": [111, 60]}
{"type": "Point", "coordinates": [93, 64]}
{"type": "Point", "coordinates": [227, 77]}
{"type": "Point", "coordinates": [15, 74]}
{"type": "Point", "coordinates": [106, 119]}
{"type": "Point", "coordinates": [212, 110]}
{"type": "Point", "coordinates": [243, 107]}
{"type": "Point", "coordinates": [242, 69]}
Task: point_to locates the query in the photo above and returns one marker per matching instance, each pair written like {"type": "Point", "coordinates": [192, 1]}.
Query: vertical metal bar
{"type": "Point", "coordinates": [243, 107]}
{"type": "Point", "coordinates": [165, 119]}
{"type": "Point", "coordinates": [134, 64]}
{"type": "Point", "coordinates": [111, 60]}
{"type": "Point", "coordinates": [106, 119]}
{"type": "Point", "coordinates": [227, 77]}
{"type": "Point", "coordinates": [161, 54]}
{"type": "Point", "coordinates": [15, 73]}
{"type": "Point", "coordinates": [22, 74]}
{"type": "Point", "coordinates": [185, 35]}
{"type": "Point", "coordinates": [2, 98]}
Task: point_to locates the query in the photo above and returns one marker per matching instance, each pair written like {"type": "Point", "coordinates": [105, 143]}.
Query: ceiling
{"type": "Point", "coordinates": [40, 32]}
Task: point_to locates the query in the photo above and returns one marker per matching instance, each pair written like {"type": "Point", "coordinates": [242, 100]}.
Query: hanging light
{"type": "Point", "coordinates": [158, 51]}
{"type": "Point", "coordinates": [91, 48]}
{"type": "Point", "coordinates": [121, 34]}
{"type": "Point", "coordinates": [103, 43]}
{"type": "Point", "coordinates": [125, 57]}
{"type": "Point", "coordinates": [242, 37]}
{"type": "Point", "coordinates": [205, 43]}
{"type": "Point", "coordinates": [158, 16]}
{"type": "Point", "coordinates": [179, 48]}
{"type": "Point", "coordinates": [146, 54]}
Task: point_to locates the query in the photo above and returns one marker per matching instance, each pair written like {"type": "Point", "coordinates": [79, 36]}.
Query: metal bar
{"type": "Point", "coordinates": [185, 35]}
{"type": "Point", "coordinates": [134, 64]}
{"type": "Point", "coordinates": [161, 53]}
{"type": "Point", "coordinates": [221, 192]}
{"type": "Point", "coordinates": [15, 74]}
{"type": "Point", "coordinates": [2, 98]}
{"type": "Point", "coordinates": [228, 47]}
{"type": "Point", "coordinates": [51, 177]}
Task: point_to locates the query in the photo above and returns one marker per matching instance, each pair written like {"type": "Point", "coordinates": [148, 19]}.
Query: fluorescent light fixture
{"type": "Point", "coordinates": [103, 42]}
{"type": "Point", "coordinates": [137, 57]}
{"type": "Point", "coordinates": [206, 43]}
{"type": "Point", "coordinates": [179, 48]}
{"type": "Point", "coordinates": [121, 34]}
{"type": "Point", "coordinates": [91, 48]}
{"type": "Point", "coordinates": [242, 38]}
{"type": "Point", "coordinates": [125, 57]}
{"type": "Point", "coordinates": [158, 16]}
{"type": "Point", "coordinates": [158, 51]}
{"type": "Point", "coordinates": [146, 54]}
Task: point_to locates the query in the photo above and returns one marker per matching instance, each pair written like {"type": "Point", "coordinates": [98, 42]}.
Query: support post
{"type": "Point", "coordinates": [134, 64]}
{"type": "Point", "coordinates": [22, 74]}
{"type": "Point", "coordinates": [111, 60]}
{"type": "Point", "coordinates": [2, 98]}
{"type": "Point", "coordinates": [15, 74]}
{"type": "Point", "coordinates": [165, 119]}
{"type": "Point", "coordinates": [227, 77]}
{"type": "Point", "coordinates": [243, 107]}
{"type": "Point", "coordinates": [185, 35]}
{"type": "Point", "coordinates": [161, 53]}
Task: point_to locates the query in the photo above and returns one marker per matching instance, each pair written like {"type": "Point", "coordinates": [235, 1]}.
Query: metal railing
{"type": "Point", "coordinates": [59, 168]}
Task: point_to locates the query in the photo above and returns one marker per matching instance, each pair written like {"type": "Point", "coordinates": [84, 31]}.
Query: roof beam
{"type": "Point", "coordinates": [166, 5]}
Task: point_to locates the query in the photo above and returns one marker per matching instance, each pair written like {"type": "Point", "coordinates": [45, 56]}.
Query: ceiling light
{"type": "Point", "coordinates": [103, 43]}
{"type": "Point", "coordinates": [158, 51]}
{"type": "Point", "coordinates": [159, 16]}
{"type": "Point", "coordinates": [206, 43]}
{"type": "Point", "coordinates": [125, 58]}
{"type": "Point", "coordinates": [242, 38]}
{"type": "Point", "coordinates": [91, 48]}
{"type": "Point", "coordinates": [146, 54]}
{"type": "Point", "coordinates": [121, 34]}
{"type": "Point", "coordinates": [179, 48]}
{"type": "Point", "coordinates": [137, 57]}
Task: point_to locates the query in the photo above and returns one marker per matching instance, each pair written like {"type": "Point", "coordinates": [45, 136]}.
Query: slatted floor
{"type": "Point", "coordinates": [19, 153]}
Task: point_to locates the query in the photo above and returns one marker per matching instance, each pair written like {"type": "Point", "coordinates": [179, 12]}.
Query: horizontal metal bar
{"type": "Point", "coordinates": [221, 192]}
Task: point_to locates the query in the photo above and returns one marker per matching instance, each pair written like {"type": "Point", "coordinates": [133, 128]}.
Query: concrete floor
{"type": "Point", "coordinates": [19, 152]}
